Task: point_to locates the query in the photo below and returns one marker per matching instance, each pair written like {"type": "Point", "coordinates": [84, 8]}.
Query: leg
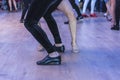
{"type": "Point", "coordinates": [92, 14]}
{"type": "Point", "coordinates": [10, 5]}
{"type": "Point", "coordinates": [108, 13]}
{"type": "Point", "coordinates": [108, 7]}
{"type": "Point", "coordinates": [55, 32]}
{"type": "Point", "coordinates": [25, 8]}
{"type": "Point", "coordinates": [37, 10]}
{"type": "Point", "coordinates": [74, 5]}
{"type": "Point", "coordinates": [67, 9]}
{"type": "Point", "coordinates": [117, 17]}
{"type": "Point", "coordinates": [14, 4]}
{"type": "Point", "coordinates": [113, 5]}
{"type": "Point", "coordinates": [85, 7]}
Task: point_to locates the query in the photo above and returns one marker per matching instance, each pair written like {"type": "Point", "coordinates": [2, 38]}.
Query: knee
{"type": "Point", "coordinates": [71, 17]}
{"type": "Point", "coordinates": [30, 24]}
{"type": "Point", "coordinates": [27, 24]}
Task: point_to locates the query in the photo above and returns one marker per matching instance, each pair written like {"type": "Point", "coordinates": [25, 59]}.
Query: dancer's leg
{"type": "Point", "coordinates": [65, 7]}
{"type": "Point", "coordinates": [37, 10]}
{"type": "Point", "coordinates": [55, 32]}
{"type": "Point", "coordinates": [14, 4]}
{"type": "Point", "coordinates": [85, 6]}
{"type": "Point", "coordinates": [10, 4]}
{"type": "Point", "coordinates": [92, 6]}
{"type": "Point", "coordinates": [25, 8]}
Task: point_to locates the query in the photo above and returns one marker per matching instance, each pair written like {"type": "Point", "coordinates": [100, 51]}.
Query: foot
{"type": "Point", "coordinates": [115, 27]}
{"type": "Point", "coordinates": [75, 49]}
{"type": "Point", "coordinates": [79, 18]}
{"type": "Point", "coordinates": [85, 15]}
{"type": "Point", "coordinates": [93, 15]}
{"type": "Point", "coordinates": [16, 10]}
{"type": "Point", "coordinates": [50, 61]}
{"type": "Point", "coordinates": [105, 14]}
{"type": "Point", "coordinates": [60, 49]}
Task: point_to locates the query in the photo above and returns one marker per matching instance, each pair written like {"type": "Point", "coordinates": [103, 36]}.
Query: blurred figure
{"type": "Point", "coordinates": [115, 9]}
{"type": "Point", "coordinates": [4, 5]}
{"type": "Point", "coordinates": [108, 12]}
{"type": "Point", "coordinates": [10, 2]}
{"type": "Point", "coordinates": [92, 14]}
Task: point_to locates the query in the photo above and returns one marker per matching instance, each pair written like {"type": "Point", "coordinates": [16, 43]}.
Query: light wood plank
{"type": "Point", "coordinates": [99, 57]}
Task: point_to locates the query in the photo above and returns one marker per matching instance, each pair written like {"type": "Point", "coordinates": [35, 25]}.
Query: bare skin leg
{"type": "Point", "coordinates": [14, 4]}
{"type": "Point", "coordinates": [113, 11]}
{"type": "Point", "coordinates": [10, 4]}
{"type": "Point", "coordinates": [65, 7]}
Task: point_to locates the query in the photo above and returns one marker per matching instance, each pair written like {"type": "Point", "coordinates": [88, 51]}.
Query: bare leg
{"type": "Point", "coordinates": [65, 7]}
{"type": "Point", "coordinates": [10, 4]}
{"type": "Point", "coordinates": [15, 5]}
{"type": "Point", "coordinates": [108, 13]}
{"type": "Point", "coordinates": [113, 11]}
{"type": "Point", "coordinates": [108, 8]}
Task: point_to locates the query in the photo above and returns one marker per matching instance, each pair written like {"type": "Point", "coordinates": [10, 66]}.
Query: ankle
{"type": "Point", "coordinates": [73, 43]}
{"type": "Point", "coordinates": [58, 45]}
{"type": "Point", "coordinates": [54, 54]}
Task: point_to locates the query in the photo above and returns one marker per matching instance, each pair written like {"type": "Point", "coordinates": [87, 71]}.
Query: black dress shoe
{"type": "Point", "coordinates": [60, 49]}
{"type": "Point", "coordinates": [115, 27]}
{"type": "Point", "coordinates": [50, 61]}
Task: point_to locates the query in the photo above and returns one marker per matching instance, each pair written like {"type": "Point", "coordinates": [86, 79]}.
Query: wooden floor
{"type": "Point", "coordinates": [99, 57]}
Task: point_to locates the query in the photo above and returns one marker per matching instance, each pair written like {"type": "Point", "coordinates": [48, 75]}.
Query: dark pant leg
{"type": "Point", "coordinates": [74, 5]}
{"type": "Point", "coordinates": [53, 27]}
{"type": "Point", "coordinates": [117, 12]}
{"type": "Point", "coordinates": [39, 35]}
{"type": "Point", "coordinates": [25, 8]}
{"type": "Point", "coordinates": [37, 10]}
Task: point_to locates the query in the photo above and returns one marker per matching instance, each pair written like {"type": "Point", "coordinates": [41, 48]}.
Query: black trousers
{"type": "Point", "coordinates": [38, 9]}
{"type": "Point", "coordinates": [26, 4]}
{"type": "Point", "coordinates": [75, 6]}
{"type": "Point", "coordinates": [117, 12]}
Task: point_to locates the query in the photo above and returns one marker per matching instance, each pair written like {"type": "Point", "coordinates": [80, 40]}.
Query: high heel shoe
{"type": "Point", "coordinates": [60, 49]}
{"type": "Point", "coordinates": [50, 61]}
{"type": "Point", "coordinates": [75, 49]}
{"type": "Point", "coordinates": [93, 15]}
{"type": "Point", "coordinates": [85, 15]}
